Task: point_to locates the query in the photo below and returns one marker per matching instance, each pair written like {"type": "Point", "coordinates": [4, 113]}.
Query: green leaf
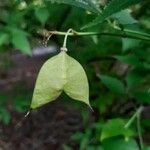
{"type": "Point", "coordinates": [3, 38]}
{"type": "Point", "coordinates": [113, 84]}
{"type": "Point", "coordinates": [110, 129]}
{"type": "Point", "coordinates": [133, 78]}
{"type": "Point", "coordinates": [120, 144]}
{"type": "Point", "coordinates": [3, 98]}
{"type": "Point", "coordinates": [65, 147]}
{"type": "Point", "coordinates": [77, 136]}
{"type": "Point", "coordinates": [90, 148]}
{"type": "Point", "coordinates": [60, 73]}
{"type": "Point", "coordinates": [124, 17]}
{"type": "Point", "coordinates": [42, 14]}
{"type": "Point", "coordinates": [84, 142]}
{"type": "Point", "coordinates": [146, 65]}
{"type": "Point", "coordinates": [4, 116]}
{"type": "Point", "coordinates": [20, 41]}
{"type": "Point", "coordinates": [85, 4]}
{"type": "Point", "coordinates": [22, 103]}
{"type": "Point", "coordinates": [142, 96]}
{"type": "Point", "coordinates": [147, 148]}
{"type": "Point", "coordinates": [112, 7]}
{"type": "Point", "coordinates": [99, 148]}
{"type": "Point", "coordinates": [129, 43]}
{"type": "Point", "coordinates": [128, 59]}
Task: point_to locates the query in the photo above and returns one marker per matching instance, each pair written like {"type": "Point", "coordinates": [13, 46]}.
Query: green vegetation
{"type": "Point", "coordinates": [111, 39]}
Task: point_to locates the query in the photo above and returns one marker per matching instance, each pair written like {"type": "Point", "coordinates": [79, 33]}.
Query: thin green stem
{"type": "Point", "coordinates": [117, 33]}
{"type": "Point", "coordinates": [139, 131]}
{"type": "Point", "coordinates": [131, 120]}
{"type": "Point", "coordinates": [137, 115]}
{"type": "Point", "coordinates": [66, 36]}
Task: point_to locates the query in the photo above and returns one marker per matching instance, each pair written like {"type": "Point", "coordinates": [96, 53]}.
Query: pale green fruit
{"type": "Point", "coordinates": [60, 73]}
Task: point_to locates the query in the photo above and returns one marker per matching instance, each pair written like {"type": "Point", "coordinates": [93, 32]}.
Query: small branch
{"type": "Point", "coordinates": [139, 131]}
{"type": "Point", "coordinates": [66, 36]}
{"type": "Point", "coordinates": [131, 120]}
{"type": "Point", "coordinates": [137, 115]}
{"type": "Point", "coordinates": [118, 33]}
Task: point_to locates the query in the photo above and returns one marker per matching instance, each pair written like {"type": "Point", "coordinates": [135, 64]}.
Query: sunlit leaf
{"type": "Point", "coordinates": [60, 73]}
{"type": "Point", "coordinates": [110, 129]}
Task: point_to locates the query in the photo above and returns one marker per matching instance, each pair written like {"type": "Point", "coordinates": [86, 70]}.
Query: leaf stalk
{"type": "Point", "coordinates": [118, 33]}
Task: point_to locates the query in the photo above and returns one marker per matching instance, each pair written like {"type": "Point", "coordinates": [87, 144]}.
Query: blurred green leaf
{"type": "Point", "coordinates": [99, 148]}
{"type": "Point", "coordinates": [128, 44]}
{"type": "Point", "coordinates": [146, 65]}
{"type": "Point", "coordinates": [113, 84]}
{"type": "Point", "coordinates": [2, 98]}
{"type": "Point", "coordinates": [4, 116]}
{"type": "Point", "coordinates": [90, 148]}
{"type": "Point", "coordinates": [94, 148]}
{"type": "Point", "coordinates": [124, 17]}
{"type": "Point", "coordinates": [130, 59]}
{"type": "Point", "coordinates": [3, 38]}
{"type": "Point", "coordinates": [22, 103]}
{"type": "Point", "coordinates": [142, 96]}
{"type": "Point", "coordinates": [115, 127]}
{"type": "Point", "coordinates": [103, 102]}
{"type": "Point", "coordinates": [146, 122]}
{"type": "Point", "coordinates": [133, 79]}
{"type": "Point", "coordinates": [84, 143]}
{"type": "Point", "coordinates": [83, 138]}
{"type": "Point", "coordinates": [65, 147]}
{"type": "Point", "coordinates": [120, 144]}
{"type": "Point", "coordinates": [42, 14]}
{"type": "Point", "coordinates": [77, 136]}
{"type": "Point", "coordinates": [20, 41]}
{"type": "Point", "coordinates": [112, 7]}
{"type": "Point", "coordinates": [85, 116]}
{"type": "Point", "coordinates": [85, 4]}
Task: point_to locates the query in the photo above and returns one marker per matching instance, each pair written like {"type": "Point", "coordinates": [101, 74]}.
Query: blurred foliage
{"type": "Point", "coordinates": [19, 99]}
{"type": "Point", "coordinates": [118, 68]}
